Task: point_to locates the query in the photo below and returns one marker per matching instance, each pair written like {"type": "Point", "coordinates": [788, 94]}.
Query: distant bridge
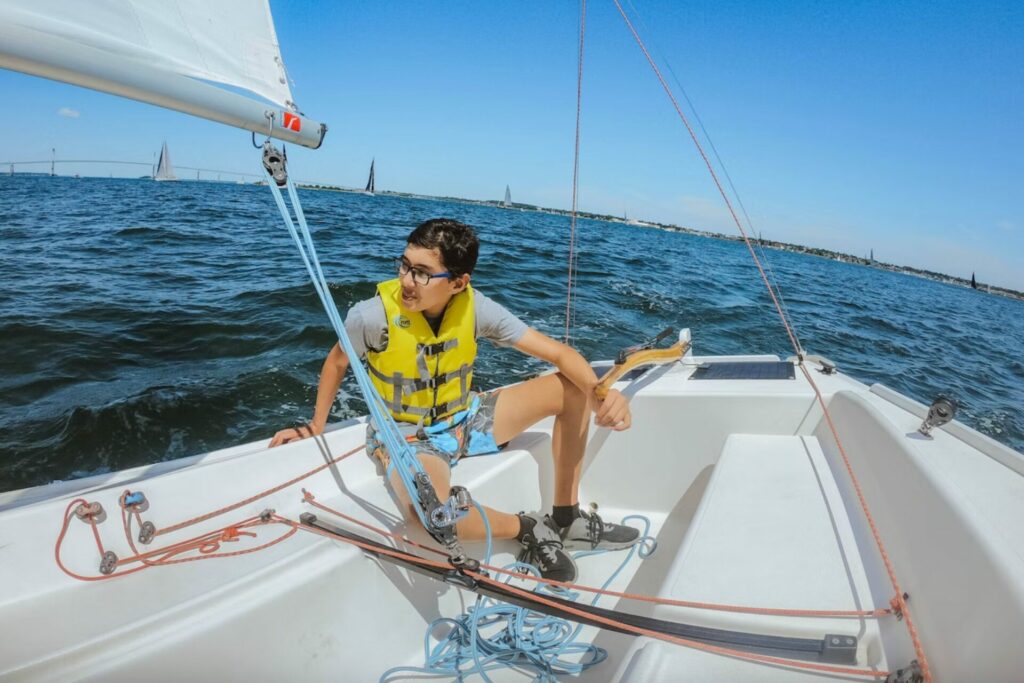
{"type": "Point", "coordinates": [53, 162]}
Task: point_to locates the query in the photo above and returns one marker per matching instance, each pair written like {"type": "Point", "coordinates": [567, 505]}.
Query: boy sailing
{"type": "Point", "coordinates": [418, 336]}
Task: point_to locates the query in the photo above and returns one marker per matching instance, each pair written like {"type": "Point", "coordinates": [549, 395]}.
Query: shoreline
{"type": "Point", "coordinates": [984, 288]}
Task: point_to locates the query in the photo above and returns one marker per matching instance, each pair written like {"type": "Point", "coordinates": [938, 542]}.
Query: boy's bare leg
{"type": "Point", "coordinates": [519, 407]}
{"type": "Point", "coordinates": [523, 405]}
{"type": "Point", "coordinates": [471, 527]}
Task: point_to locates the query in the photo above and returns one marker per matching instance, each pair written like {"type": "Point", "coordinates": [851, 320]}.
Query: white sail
{"type": "Point", "coordinates": [164, 170]}
{"type": "Point", "coordinates": [165, 53]}
{"type": "Point", "coordinates": [508, 197]}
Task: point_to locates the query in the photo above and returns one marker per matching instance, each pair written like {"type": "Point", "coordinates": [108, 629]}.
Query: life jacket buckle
{"type": "Point", "coordinates": [431, 349]}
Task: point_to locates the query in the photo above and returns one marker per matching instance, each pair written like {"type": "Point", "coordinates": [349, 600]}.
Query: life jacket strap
{"type": "Point", "coordinates": [409, 385]}
{"type": "Point", "coordinates": [440, 410]}
{"type": "Point", "coordinates": [439, 347]}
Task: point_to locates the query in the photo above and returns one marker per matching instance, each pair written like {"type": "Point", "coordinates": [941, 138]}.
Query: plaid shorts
{"type": "Point", "coordinates": [465, 434]}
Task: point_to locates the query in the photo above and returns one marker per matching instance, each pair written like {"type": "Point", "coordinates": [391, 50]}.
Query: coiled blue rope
{"type": "Point", "coordinates": [492, 635]}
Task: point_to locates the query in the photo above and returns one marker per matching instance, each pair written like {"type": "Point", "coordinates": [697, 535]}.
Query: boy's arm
{"type": "Point", "coordinates": [612, 412]}
{"type": "Point", "coordinates": [334, 368]}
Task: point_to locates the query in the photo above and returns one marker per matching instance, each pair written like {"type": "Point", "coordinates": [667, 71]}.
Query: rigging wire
{"type": "Point", "coordinates": [714, 176]}
{"type": "Point", "coordinates": [570, 301]}
{"type": "Point", "coordinates": [899, 601]}
{"type": "Point", "coordinates": [718, 160]}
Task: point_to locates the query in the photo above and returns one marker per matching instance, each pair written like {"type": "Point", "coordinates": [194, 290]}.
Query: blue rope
{"type": "Point", "coordinates": [492, 635]}
{"type": "Point", "coordinates": [402, 455]}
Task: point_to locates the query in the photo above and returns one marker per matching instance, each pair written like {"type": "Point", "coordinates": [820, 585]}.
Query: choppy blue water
{"type": "Point", "coordinates": [145, 321]}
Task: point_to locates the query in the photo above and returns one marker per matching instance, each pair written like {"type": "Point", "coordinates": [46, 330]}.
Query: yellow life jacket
{"type": "Point", "coordinates": [424, 377]}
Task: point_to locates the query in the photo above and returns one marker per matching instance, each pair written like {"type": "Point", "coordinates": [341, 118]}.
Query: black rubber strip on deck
{"type": "Point", "coordinates": [745, 370]}
{"type": "Point", "coordinates": [806, 649]}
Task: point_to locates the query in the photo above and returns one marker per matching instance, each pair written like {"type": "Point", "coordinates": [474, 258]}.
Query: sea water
{"type": "Point", "coordinates": [144, 321]}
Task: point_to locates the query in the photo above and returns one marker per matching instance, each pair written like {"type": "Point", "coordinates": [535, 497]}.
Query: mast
{"type": "Point", "coordinates": [371, 185]}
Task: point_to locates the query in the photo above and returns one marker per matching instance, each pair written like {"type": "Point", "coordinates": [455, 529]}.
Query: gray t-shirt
{"type": "Point", "coordinates": [367, 324]}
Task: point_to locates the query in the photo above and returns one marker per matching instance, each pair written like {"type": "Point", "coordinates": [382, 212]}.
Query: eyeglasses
{"type": "Point", "coordinates": [419, 276]}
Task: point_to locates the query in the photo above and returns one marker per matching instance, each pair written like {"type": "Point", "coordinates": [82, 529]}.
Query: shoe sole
{"type": "Point", "coordinates": [585, 544]}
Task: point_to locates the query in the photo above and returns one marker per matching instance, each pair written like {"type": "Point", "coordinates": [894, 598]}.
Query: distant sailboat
{"type": "Point", "coordinates": [974, 283]}
{"type": "Point", "coordinates": [164, 170]}
{"type": "Point", "coordinates": [371, 185]}
{"type": "Point", "coordinates": [507, 204]}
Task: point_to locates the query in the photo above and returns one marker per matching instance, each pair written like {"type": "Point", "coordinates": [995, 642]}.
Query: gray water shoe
{"type": "Point", "coordinates": [542, 547]}
{"type": "Point", "coordinates": [589, 532]}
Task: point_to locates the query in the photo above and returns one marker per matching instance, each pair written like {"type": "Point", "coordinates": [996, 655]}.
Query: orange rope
{"type": "Point", "coordinates": [263, 494]}
{"type": "Point", "coordinates": [309, 498]}
{"type": "Point", "coordinates": [569, 307]}
{"type": "Point", "coordinates": [68, 516]}
{"type": "Point", "coordinates": [206, 544]}
{"type": "Point", "coordinates": [899, 599]}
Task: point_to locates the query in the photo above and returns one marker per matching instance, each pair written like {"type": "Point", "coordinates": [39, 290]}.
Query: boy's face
{"type": "Point", "coordinates": [432, 297]}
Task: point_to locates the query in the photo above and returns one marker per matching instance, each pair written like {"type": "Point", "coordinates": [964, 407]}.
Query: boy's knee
{"type": "Point", "coordinates": [573, 397]}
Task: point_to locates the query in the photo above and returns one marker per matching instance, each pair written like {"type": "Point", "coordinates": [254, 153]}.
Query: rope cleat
{"type": "Point", "coordinates": [147, 532]}
{"type": "Point", "coordinates": [136, 500]}
{"type": "Point", "coordinates": [92, 513]}
{"type": "Point", "coordinates": [441, 519]}
{"type": "Point", "coordinates": [454, 509]}
{"type": "Point", "coordinates": [457, 578]}
{"type": "Point", "coordinates": [109, 563]}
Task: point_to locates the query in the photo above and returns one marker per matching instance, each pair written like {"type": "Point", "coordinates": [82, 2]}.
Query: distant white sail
{"type": "Point", "coordinates": [166, 53]}
{"type": "Point", "coordinates": [508, 197]}
{"type": "Point", "coordinates": [164, 170]}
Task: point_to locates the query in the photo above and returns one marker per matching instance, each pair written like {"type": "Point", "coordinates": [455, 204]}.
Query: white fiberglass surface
{"type": "Point", "coordinates": [319, 607]}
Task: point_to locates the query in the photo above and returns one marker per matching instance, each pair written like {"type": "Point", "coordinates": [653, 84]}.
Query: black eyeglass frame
{"type": "Point", "coordinates": [419, 276]}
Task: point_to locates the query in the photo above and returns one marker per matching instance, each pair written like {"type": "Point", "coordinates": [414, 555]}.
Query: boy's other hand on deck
{"type": "Point", "coordinates": [293, 434]}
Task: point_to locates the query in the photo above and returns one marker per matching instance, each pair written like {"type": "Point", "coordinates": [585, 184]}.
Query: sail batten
{"type": "Point", "coordinates": [178, 55]}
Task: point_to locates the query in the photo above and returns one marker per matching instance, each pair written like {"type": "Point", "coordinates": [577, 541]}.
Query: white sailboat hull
{"type": "Point", "coordinates": [743, 484]}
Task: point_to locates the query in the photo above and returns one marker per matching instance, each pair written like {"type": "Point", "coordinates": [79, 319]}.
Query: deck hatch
{"type": "Point", "coordinates": [745, 370]}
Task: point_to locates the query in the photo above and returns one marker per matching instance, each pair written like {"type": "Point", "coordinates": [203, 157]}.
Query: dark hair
{"type": "Point", "coordinates": [456, 241]}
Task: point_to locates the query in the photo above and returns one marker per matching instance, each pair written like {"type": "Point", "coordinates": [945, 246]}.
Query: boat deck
{"type": "Point", "coordinates": [742, 484]}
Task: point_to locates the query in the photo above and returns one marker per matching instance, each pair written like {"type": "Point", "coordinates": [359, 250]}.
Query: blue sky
{"type": "Point", "coordinates": [853, 126]}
